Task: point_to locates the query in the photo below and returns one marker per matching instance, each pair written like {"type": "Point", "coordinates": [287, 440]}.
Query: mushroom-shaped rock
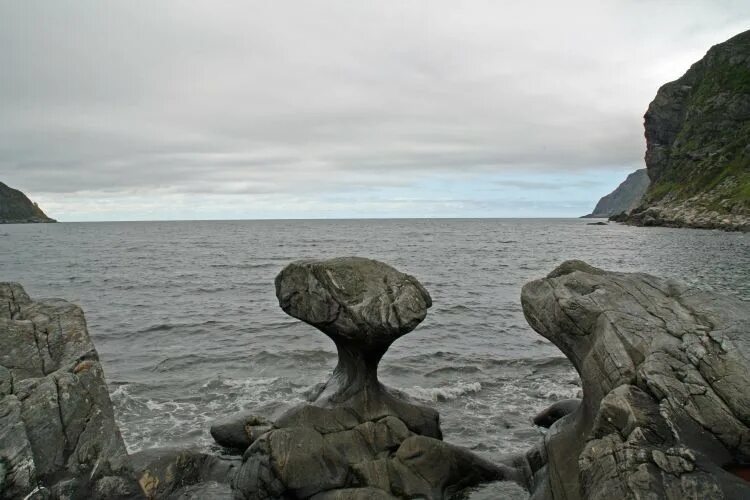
{"type": "Point", "coordinates": [363, 305]}
{"type": "Point", "coordinates": [357, 439]}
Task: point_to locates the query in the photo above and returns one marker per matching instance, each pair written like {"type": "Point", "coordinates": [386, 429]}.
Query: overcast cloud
{"type": "Point", "coordinates": [175, 109]}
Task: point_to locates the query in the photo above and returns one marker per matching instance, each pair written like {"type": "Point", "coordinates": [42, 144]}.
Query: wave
{"type": "Point", "coordinates": [452, 370]}
{"type": "Point", "coordinates": [262, 265]}
{"type": "Point", "coordinates": [163, 327]}
{"type": "Point", "coordinates": [451, 358]}
{"type": "Point", "coordinates": [192, 361]}
{"type": "Point", "coordinates": [441, 394]}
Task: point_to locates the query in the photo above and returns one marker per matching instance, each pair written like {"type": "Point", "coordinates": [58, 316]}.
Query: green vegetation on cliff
{"type": "Point", "coordinates": [16, 207]}
{"type": "Point", "coordinates": [698, 141]}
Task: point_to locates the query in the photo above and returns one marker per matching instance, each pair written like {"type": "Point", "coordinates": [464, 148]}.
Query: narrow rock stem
{"type": "Point", "coordinates": [356, 371]}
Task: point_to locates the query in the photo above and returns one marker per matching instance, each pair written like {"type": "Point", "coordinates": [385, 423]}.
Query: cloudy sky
{"type": "Point", "coordinates": [129, 110]}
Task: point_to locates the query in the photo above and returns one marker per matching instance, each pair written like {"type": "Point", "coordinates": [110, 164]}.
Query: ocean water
{"type": "Point", "coordinates": [187, 325]}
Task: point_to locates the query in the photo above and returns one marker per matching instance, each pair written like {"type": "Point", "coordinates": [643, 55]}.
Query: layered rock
{"type": "Point", "coordinates": [356, 438]}
{"type": "Point", "coordinates": [666, 388]}
{"type": "Point", "coordinates": [627, 196]}
{"type": "Point", "coordinates": [58, 436]}
{"type": "Point", "coordinates": [697, 145]}
{"type": "Point", "coordinates": [16, 207]}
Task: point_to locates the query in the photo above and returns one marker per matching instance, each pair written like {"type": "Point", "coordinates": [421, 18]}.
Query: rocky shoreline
{"type": "Point", "coordinates": [665, 409]}
{"type": "Point", "coordinates": [684, 215]}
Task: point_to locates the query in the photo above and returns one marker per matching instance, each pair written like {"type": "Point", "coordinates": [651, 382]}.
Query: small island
{"type": "Point", "coordinates": [17, 208]}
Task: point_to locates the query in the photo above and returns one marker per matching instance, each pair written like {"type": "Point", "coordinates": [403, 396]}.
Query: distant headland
{"type": "Point", "coordinates": [17, 208]}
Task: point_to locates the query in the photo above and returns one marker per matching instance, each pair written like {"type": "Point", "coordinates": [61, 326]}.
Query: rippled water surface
{"type": "Point", "coordinates": [186, 322]}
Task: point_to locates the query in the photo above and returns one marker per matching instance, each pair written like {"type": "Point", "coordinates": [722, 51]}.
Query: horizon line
{"type": "Point", "coordinates": [313, 219]}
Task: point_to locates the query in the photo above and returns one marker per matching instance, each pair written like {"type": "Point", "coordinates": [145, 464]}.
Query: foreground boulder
{"type": "Point", "coordinates": [666, 388]}
{"type": "Point", "coordinates": [58, 436]}
{"type": "Point", "coordinates": [356, 438]}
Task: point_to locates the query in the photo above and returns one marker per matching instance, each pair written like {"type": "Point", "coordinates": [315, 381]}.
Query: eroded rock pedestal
{"type": "Point", "coordinates": [58, 437]}
{"type": "Point", "coordinates": [665, 370]}
{"type": "Point", "coordinates": [356, 439]}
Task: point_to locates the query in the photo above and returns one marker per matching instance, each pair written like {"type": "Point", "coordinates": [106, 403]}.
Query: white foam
{"type": "Point", "coordinates": [445, 393]}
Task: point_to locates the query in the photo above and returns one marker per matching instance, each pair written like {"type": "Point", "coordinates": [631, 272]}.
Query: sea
{"type": "Point", "coordinates": [188, 328]}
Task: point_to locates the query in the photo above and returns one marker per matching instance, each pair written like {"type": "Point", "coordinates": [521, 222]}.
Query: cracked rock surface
{"type": "Point", "coordinates": [58, 437]}
{"type": "Point", "coordinates": [666, 382]}
{"type": "Point", "coordinates": [355, 439]}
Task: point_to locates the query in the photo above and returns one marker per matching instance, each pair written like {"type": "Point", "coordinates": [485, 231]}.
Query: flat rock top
{"type": "Point", "coordinates": [353, 298]}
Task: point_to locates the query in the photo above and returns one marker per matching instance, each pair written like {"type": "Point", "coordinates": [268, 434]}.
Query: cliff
{"type": "Point", "coordinates": [627, 196]}
{"type": "Point", "coordinates": [58, 435]}
{"type": "Point", "coordinates": [16, 207]}
{"type": "Point", "coordinates": [698, 144]}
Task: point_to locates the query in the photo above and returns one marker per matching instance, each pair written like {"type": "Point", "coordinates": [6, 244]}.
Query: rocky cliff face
{"type": "Point", "coordinates": [58, 436]}
{"type": "Point", "coordinates": [698, 144]}
{"type": "Point", "coordinates": [15, 207]}
{"type": "Point", "coordinates": [627, 196]}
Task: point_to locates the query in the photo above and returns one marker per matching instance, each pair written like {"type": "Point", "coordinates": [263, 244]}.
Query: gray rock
{"type": "Point", "coordinates": [211, 490]}
{"type": "Point", "coordinates": [556, 411]}
{"type": "Point", "coordinates": [240, 430]}
{"type": "Point", "coordinates": [363, 305]}
{"type": "Point", "coordinates": [182, 473]}
{"type": "Point", "coordinates": [666, 386]}
{"type": "Point", "coordinates": [58, 432]}
{"type": "Point", "coordinates": [357, 439]}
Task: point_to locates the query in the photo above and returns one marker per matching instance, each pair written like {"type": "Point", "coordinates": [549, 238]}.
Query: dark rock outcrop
{"type": "Point", "coordinates": [58, 436]}
{"type": "Point", "coordinates": [173, 474]}
{"type": "Point", "coordinates": [666, 388]}
{"type": "Point", "coordinates": [627, 196]}
{"type": "Point", "coordinates": [555, 412]}
{"type": "Point", "coordinates": [698, 145]}
{"type": "Point", "coordinates": [16, 207]}
{"type": "Point", "coordinates": [357, 438]}
{"type": "Point", "coordinates": [240, 430]}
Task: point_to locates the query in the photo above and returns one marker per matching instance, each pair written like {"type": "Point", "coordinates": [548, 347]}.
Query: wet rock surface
{"type": "Point", "coordinates": [58, 436]}
{"type": "Point", "coordinates": [357, 438]}
{"type": "Point", "coordinates": [666, 385]}
{"type": "Point", "coordinates": [183, 474]}
{"type": "Point", "coordinates": [555, 412]}
{"type": "Point", "coordinates": [240, 430]}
